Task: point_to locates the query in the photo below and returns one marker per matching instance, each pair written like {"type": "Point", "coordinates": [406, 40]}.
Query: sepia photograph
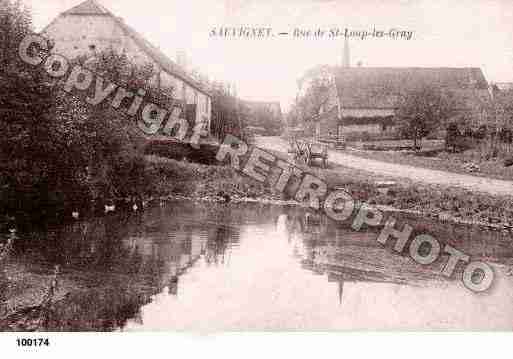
{"type": "Point", "coordinates": [193, 166]}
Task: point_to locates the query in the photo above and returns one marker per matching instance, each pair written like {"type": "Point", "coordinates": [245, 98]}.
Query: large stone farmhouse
{"type": "Point", "coordinates": [361, 101]}
{"type": "Point", "coordinates": [89, 28]}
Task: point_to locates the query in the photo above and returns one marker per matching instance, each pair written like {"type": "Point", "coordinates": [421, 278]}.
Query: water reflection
{"type": "Point", "coordinates": [253, 266]}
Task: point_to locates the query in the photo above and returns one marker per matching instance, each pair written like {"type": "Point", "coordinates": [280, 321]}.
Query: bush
{"type": "Point", "coordinates": [205, 154]}
{"type": "Point", "coordinates": [57, 152]}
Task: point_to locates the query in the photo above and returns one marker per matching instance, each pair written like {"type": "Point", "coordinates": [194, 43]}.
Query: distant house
{"type": "Point", "coordinates": [504, 86]}
{"type": "Point", "coordinates": [363, 100]}
{"type": "Point", "coordinates": [502, 92]}
{"type": "Point", "coordinates": [89, 28]}
{"type": "Point", "coordinates": [264, 115]}
{"type": "Point", "coordinates": [254, 130]}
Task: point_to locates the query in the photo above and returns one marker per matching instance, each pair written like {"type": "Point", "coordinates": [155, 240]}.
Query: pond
{"type": "Point", "coordinates": [181, 265]}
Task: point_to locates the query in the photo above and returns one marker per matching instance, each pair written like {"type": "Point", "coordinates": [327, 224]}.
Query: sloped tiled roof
{"type": "Point", "coordinates": [159, 57]}
{"type": "Point", "coordinates": [92, 7]}
{"type": "Point", "coordinates": [380, 87]}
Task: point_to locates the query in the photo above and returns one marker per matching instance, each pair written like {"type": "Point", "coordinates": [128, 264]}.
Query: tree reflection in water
{"type": "Point", "coordinates": [332, 249]}
{"type": "Point", "coordinates": [113, 265]}
{"type": "Point", "coordinates": [218, 244]}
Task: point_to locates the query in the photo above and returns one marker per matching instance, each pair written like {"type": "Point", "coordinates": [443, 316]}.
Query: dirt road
{"type": "Point", "coordinates": [481, 184]}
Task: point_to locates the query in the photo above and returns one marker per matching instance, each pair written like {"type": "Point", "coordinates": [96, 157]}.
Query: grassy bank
{"type": "Point", "coordinates": [442, 202]}
{"type": "Point", "coordinates": [435, 201]}
{"type": "Point", "coordinates": [173, 178]}
{"type": "Point", "coordinates": [445, 203]}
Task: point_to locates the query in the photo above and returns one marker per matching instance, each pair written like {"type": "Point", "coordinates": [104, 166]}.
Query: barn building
{"type": "Point", "coordinates": [360, 102]}
{"type": "Point", "coordinates": [89, 28]}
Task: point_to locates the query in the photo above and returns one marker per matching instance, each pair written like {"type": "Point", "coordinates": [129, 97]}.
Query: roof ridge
{"type": "Point", "coordinates": [87, 7]}
{"type": "Point", "coordinates": [378, 87]}
{"type": "Point", "coordinates": [92, 7]}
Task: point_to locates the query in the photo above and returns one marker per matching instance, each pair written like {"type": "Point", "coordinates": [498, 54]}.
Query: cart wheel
{"type": "Point", "coordinates": [298, 158]}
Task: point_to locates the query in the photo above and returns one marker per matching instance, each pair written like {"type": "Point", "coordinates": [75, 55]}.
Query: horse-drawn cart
{"type": "Point", "coordinates": [306, 152]}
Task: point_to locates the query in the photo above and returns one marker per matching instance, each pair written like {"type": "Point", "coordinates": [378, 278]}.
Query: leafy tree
{"type": "Point", "coordinates": [486, 124]}
{"type": "Point", "coordinates": [421, 110]}
{"type": "Point", "coordinates": [229, 115]}
{"type": "Point", "coordinates": [261, 115]}
{"type": "Point", "coordinates": [107, 139]}
{"type": "Point", "coordinates": [315, 97]}
{"type": "Point", "coordinates": [15, 24]}
{"type": "Point", "coordinates": [56, 151]}
{"type": "Point", "coordinates": [314, 92]}
{"type": "Point", "coordinates": [292, 117]}
{"type": "Point", "coordinates": [30, 152]}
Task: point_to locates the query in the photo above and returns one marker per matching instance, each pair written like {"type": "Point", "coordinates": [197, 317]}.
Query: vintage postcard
{"type": "Point", "coordinates": [242, 165]}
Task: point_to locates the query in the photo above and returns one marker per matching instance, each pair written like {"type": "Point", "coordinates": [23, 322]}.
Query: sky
{"type": "Point", "coordinates": [467, 33]}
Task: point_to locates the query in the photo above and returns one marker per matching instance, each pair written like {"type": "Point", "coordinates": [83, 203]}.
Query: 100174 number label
{"type": "Point", "coordinates": [33, 342]}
